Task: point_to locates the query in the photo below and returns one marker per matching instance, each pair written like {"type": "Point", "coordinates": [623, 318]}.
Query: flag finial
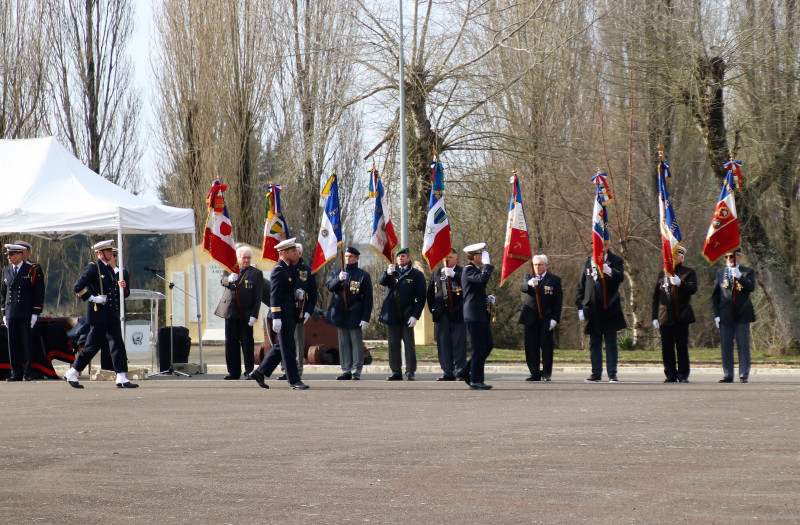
{"type": "Point", "coordinates": [660, 150]}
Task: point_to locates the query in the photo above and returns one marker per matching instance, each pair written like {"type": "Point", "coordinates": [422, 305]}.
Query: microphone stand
{"type": "Point", "coordinates": [171, 370]}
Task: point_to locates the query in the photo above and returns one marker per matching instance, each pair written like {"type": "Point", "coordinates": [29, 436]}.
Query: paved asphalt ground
{"type": "Point", "coordinates": [203, 450]}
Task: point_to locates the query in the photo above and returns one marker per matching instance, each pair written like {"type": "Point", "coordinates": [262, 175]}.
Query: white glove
{"type": "Point", "coordinates": [306, 317]}
{"type": "Point", "coordinates": [363, 324]}
{"type": "Point", "coordinates": [675, 280]}
{"type": "Point", "coordinates": [737, 273]}
{"type": "Point", "coordinates": [553, 324]}
{"type": "Point", "coordinates": [276, 325]}
{"type": "Point", "coordinates": [342, 276]}
{"type": "Point", "coordinates": [232, 277]}
{"type": "Point", "coordinates": [390, 269]}
{"type": "Point", "coordinates": [491, 299]}
{"type": "Point", "coordinates": [5, 320]}
{"type": "Point", "coordinates": [299, 293]}
{"type": "Point", "coordinates": [485, 257]}
{"type": "Point", "coordinates": [581, 318]}
{"type": "Point", "coordinates": [412, 321]}
{"type": "Point", "coordinates": [716, 321]}
{"type": "Point", "coordinates": [99, 299]}
{"type": "Point", "coordinates": [34, 317]}
{"type": "Point", "coordinates": [449, 272]}
{"type": "Point", "coordinates": [533, 282]}
{"type": "Point", "coordinates": [606, 269]}
{"type": "Point", "coordinates": [655, 324]}
{"type": "Point", "coordinates": [252, 321]}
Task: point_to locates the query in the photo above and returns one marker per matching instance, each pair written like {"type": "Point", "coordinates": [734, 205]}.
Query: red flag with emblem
{"type": "Point", "coordinates": [218, 235]}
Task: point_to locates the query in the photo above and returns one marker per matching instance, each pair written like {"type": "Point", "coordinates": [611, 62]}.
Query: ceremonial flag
{"type": "Point", "coordinates": [275, 227]}
{"type": "Point", "coordinates": [670, 233]}
{"type": "Point", "coordinates": [384, 239]}
{"type": "Point", "coordinates": [517, 250]}
{"type": "Point", "coordinates": [330, 231]}
{"type": "Point", "coordinates": [218, 235]}
{"type": "Point", "coordinates": [436, 244]}
{"type": "Point", "coordinates": [600, 232]}
{"type": "Point", "coordinates": [723, 234]}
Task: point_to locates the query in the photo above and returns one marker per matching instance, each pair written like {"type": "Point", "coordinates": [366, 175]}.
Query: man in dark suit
{"type": "Point", "coordinates": [284, 295]}
{"type": "Point", "coordinates": [476, 314]}
{"type": "Point", "coordinates": [672, 315]}
{"type": "Point", "coordinates": [349, 311]}
{"type": "Point", "coordinates": [541, 312]}
{"type": "Point", "coordinates": [99, 286]}
{"type": "Point", "coordinates": [22, 294]}
{"type": "Point", "coordinates": [446, 303]}
{"type": "Point", "coordinates": [402, 307]}
{"type": "Point", "coordinates": [239, 306]}
{"type": "Point", "coordinates": [305, 308]}
{"type": "Point", "coordinates": [733, 313]}
{"type": "Point", "coordinates": [600, 308]}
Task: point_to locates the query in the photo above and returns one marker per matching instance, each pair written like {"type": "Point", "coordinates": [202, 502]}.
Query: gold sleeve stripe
{"type": "Point", "coordinates": [82, 292]}
{"type": "Point", "coordinates": [275, 309]}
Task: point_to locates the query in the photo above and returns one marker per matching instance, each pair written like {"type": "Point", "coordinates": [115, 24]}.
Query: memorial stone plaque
{"type": "Point", "coordinates": [214, 272]}
{"type": "Point", "coordinates": [179, 299]}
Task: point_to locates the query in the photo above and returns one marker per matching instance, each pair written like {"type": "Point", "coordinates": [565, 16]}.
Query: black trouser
{"type": "Point", "coordinates": [95, 341]}
{"type": "Point", "coordinates": [20, 346]}
{"type": "Point", "coordinates": [238, 334]}
{"type": "Point", "coordinates": [480, 336]}
{"type": "Point", "coordinates": [675, 340]}
{"type": "Point", "coordinates": [539, 336]}
{"type": "Point", "coordinates": [282, 351]}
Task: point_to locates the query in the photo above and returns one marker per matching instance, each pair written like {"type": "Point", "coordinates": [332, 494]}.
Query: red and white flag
{"type": "Point", "coordinates": [517, 250]}
{"type": "Point", "coordinates": [723, 234]}
{"type": "Point", "coordinates": [436, 243]}
{"type": "Point", "coordinates": [383, 239]}
{"type": "Point", "coordinates": [218, 235]}
{"type": "Point", "coordinates": [275, 227]}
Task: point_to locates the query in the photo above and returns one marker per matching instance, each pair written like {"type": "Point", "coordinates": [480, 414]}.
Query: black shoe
{"type": "Point", "coordinates": [480, 386]}
{"type": "Point", "coordinates": [356, 378]}
{"type": "Point", "coordinates": [545, 378]}
{"type": "Point", "coordinates": [347, 376]}
{"type": "Point", "coordinates": [127, 384]}
{"type": "Point", "coordinates": [258, 377]}
{"type": "Point", "coordinates": [246, 375]}
{"type": "Point", "coordinates": [281, 377]}
{"type": "Point", "coordinates": [463, 375]}
{"type": "Point", "coordinates": [743, 380]}
{"type": "Point", "coordinates": [73, 384]}
{"type": "Point", "coordinates": [682, 380]}
{"type": "Point", "coordinates": [671, 380]}
{"type": "Point", "coordinates": [410, 376]}
{"type": "Point", "coordinates": [613, 379]}
{"type": "Point", "coordinates": [726, 380]}
{"type": "Point", "coordinates": [27, 378]}
{"type": "Point", "coordinates": [533, 378]}
{"type": "Point", "coordinates": [299, 386]}
{"type": "Point", "coordinates": [593, 379]}
{"type": "Point", "coordinates": [230, 377]}
{"type": "Point", "coordinates": [395, 377]}
{"type": "Point", "coordinates": [446, 377]}
{"type": "Point", "coordinates": [14, 379]}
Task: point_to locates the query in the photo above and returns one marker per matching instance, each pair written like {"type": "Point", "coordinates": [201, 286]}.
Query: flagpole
{"type": "Point", "coordinates": [403, 167]}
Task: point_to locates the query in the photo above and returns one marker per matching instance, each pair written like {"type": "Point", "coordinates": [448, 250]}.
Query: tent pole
{"type": "Point", "coordinates": [120, 262]}
{"type": "Point", "coordinates": [197, 300]}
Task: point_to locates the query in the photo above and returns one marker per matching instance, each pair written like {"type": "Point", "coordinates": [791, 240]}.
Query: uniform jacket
{"type": "Point", "coordinates": [241, 298]}
{"type": "Point", "coordinates": [473, 282]}
{"type": "Point", "coordinates": [440, 302]}
{"type": "Point", "coordinates": [356, 290]}
{"type": "Point", "coordinates": [600, 320]}
{"type": "Point", "coordinates": [410, 290]}
{"type": "Point", "coordinates": [551, 298]}
{"type": "Point", "coordinates": [22, 294]}
{"type": "Point", "coordinates": [306, 282]}
{"type": "Point", "coordinates": [730, 299]}
{"type": "Point", "coordinates": [664, 305]}
{"type": "Point", "coordinates": [282, 302]}
{"type": "Point", "coordinates": [98, 278]}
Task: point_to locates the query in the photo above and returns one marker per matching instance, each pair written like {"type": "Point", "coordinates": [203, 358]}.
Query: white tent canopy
{"type": "Point", "coordinates": [48, 192]}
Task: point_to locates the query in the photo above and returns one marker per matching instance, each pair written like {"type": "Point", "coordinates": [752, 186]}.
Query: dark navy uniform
{"type": "Point", "coordinates": [404, 299]}
{"type": "Point", "coordinates": [548, 298]}
{"type": "Point", "coordinates": [731, 303]}
{"type": "Point", "coordinates": [22, 297]}
{"type": "Point", "coordinates": [104, 319]}
{"type": "Point", "coordinates": [476, 316]}
{"type": "Point", "coordinates": [446, 303]}
{"type": "Point", "coordinates": [356, 293]}
{"type": "Point", "coordinates": [283, 306]}
{"type": "Point", "coordinates": [305, 281]}
{"type": "Point", "coordinates": [672, 309]}
{"type": "Point", "coordinates": [240, 301]}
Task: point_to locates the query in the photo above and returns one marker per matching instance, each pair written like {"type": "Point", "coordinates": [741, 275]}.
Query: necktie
{"type": "Point", "coordinates": [15, 271]}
